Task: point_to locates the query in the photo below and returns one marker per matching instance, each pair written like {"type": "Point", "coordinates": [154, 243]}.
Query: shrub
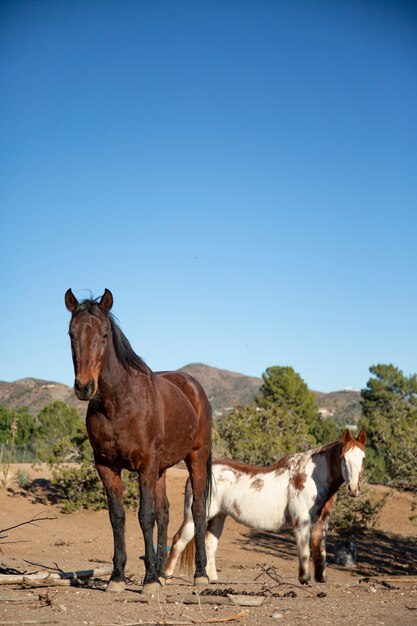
{"type": "Point", "coordinates": [81, 487]}
{"type": "Point", "coordinates": [354, 515]}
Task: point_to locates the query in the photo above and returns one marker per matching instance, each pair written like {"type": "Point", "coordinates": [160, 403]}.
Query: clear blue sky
{"type": "Point", "coordinates": [241, 175]}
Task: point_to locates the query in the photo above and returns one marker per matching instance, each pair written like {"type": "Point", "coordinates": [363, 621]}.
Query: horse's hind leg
{"type": "Point", "coordinates": [198, 469]}
{"type": "Point", "coordinates": [162, 518]}
{"type": "Point", "coordinates": [184, 535]}
{"type": "Point", "coordinates": [301, 531]}
{"type": "Point", "coordinates": [181, 539]}
{"type": "Point", "coordinates": [213, 534]}
{"type": "Point", "coordinates": [114, 490]}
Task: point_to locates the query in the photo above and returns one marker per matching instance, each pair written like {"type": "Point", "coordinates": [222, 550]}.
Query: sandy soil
{"type": "Point", "coordinates": [380, 590]}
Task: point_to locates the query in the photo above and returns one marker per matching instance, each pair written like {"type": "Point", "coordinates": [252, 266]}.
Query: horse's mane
{"type": "Point", "coordinates": [125, 354]}
{"type": "Point", "coordinates": [326, 447]}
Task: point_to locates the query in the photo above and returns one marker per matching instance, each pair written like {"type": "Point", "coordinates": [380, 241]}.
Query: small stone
{"type": "Point", "coordinates": [277, 616]}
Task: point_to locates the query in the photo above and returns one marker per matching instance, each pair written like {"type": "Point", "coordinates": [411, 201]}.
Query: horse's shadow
{"type": "Point", "coordinates": [377, 552]}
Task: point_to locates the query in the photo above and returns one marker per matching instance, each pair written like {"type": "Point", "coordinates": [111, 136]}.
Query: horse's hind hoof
{"type": "Point", "coordinates": [151, 588]}
{"type": "Point", "coordinates": [162, 581]}
{"type": "Point", "coordinates": [115, 586]}
{"type": "Point", "coordinates": [201, 581]}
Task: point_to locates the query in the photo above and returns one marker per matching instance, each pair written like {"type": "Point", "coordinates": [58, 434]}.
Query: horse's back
{"type": "Point", "coordinates": [256, 499]}
{"type": "Point", "coordinates": [191, 389]}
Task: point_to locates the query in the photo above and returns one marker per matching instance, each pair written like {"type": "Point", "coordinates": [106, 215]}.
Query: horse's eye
{"type": "Point", "coordinates": [104, 336]}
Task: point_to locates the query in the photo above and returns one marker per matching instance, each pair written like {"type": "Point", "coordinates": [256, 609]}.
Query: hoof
{"type": "Point", "coordinates": [162, 581]}
{"type": "Point", "coordinates": [201, 581]}
{"type": "Point", "coordinates": [150, 588]}
{"type": "Point", "coordinates": [115, 586]}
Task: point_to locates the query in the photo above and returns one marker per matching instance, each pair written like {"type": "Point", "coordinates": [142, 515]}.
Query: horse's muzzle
{"type": "Point", "coordinates": [355, 492]}
{"type": "Point", "coordinates": [84, 392]}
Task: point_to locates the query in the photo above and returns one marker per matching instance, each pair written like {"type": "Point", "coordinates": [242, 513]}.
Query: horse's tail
{"type": "Point", "coordinates": [208, 488]}
{"type": "Point", "coordinates": [187, 558]}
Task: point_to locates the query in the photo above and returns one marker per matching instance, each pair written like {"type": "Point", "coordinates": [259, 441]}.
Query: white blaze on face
{"type": "Point", "coordinates": [352, 462]}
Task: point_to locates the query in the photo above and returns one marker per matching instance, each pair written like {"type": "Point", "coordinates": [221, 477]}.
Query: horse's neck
{"type": "Point", "coordinates": [332, 467]}
{"type": "Point", "coordinates": [115, 381]}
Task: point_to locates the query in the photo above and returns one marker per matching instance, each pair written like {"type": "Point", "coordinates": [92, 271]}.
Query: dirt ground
{"type": "Point", "coordinates": [380, 590]}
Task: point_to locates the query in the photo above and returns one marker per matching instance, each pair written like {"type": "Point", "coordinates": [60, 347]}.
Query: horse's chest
{"type": "Point", "coordinates": [111, 441]}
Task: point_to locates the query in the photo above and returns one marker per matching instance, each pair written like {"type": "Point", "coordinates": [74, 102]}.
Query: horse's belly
{"type": "Point", "coordinates": [261, 511]}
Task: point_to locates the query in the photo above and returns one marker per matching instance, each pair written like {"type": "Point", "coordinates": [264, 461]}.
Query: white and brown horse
{"type": "Point", "coordinates": [299, 491]}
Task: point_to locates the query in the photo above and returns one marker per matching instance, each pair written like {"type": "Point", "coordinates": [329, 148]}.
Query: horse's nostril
{"type": "Point", "coordinates": [84, 392]}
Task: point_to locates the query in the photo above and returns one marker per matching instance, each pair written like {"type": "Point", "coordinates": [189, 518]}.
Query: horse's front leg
{"type": "Point", "coordinates": [114, 489]}
{"type": "Point", "coordinates": [197, 468]}
{"type": "Point", "coordinates": [301, 531]}
{"type": "Point", "coordinates": [162, 519]}
{"type": "Point", "coordinates": [318, 540]}
{"type": "Point", "coordinates": [147, 484]}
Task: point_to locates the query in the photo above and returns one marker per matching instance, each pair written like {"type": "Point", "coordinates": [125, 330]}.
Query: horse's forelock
{"type": "Point", "coordinates": [89, 305]}
{"type": "Point", "coordinates": [352, 443]}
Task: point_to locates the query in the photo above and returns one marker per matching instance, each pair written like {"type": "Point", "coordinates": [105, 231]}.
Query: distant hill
{"type": "Point", "coordinates": [35, 394]}
{"type": "Point", "coordinates": [224, 389]}
{"type": "Point", "coordinates": [345, 405]}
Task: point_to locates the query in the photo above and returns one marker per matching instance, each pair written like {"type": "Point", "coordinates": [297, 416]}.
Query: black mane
{"type": "Point", "coordinates": [124, 351]}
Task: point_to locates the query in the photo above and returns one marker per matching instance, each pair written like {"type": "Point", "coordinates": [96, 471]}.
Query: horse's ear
{"type": "Point", "coordinates": [106, 301]}
{"type": "Point", "coordinates": [362, 437]}
{"type": "Point", "coordinates": [346, 436]}
{"type": "Point", "coordinates": [71, 301]}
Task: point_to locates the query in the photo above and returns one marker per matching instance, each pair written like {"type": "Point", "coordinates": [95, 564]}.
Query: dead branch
{"type": "Point", "coordinates": [190, 620]}
{"type": "Point", "coordinates": [42, 566]}
{"type": "Point", "coordinates": [19, 599]}
{"type": "Point", "coordinates": [279, 580]}
{"type": "Point", "coordinates": [32, 522]}
{"type": "Point", "coordinates": [60, 578]}
{"type": "Point", "coordinates": [48, 581]}
{"type": "Point", "coordinates": [219, 620]}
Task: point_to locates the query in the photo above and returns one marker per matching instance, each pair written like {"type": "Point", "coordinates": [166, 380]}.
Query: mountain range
{"type": "Point", "coordinates": [224, 389]}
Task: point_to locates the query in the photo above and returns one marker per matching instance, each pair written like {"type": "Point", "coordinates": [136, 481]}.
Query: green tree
{"type": "Point", "coordinates": [25, 425]}
{"type": "Point", "coordinates": [283, 388]}
{"type": "Point", "coordinates": [325, 429]}
{"type": "Point", "coordinates": [262, 435]}
{"type": "Point", "coordinates": [60, 434]}
{"type": "Point", "coordinates": [390, 422]}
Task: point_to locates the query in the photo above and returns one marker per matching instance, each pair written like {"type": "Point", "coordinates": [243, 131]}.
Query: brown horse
{"type": "Point", "coordinates": [142, 421]}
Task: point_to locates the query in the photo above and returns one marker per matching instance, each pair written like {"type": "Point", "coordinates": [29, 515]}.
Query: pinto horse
{"type": "Point", "coordinates": [299, 490]}
{"type": "Point", "coordinates": [142, 421]}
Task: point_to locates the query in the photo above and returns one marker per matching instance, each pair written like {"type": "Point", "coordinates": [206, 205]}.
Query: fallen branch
{"type": "Point", "coordinates": [219, 620]}
{"type": "Point", "coordinates": [18, 579]}
{"type": "Point", "coordinates": [19, 598]}
{"type": "Point", "coordinates": [229, 600]}
{"type": "Point", "coordinates": [28, 621]}
{"type": "Point", "coordinates": [31, 522]}
{"type": "Point", "coordinates": [278, 579]}
{"type": "Point", "coordinates": [190, 620]}
{"type": "Point", "coordinates": [47, 581]}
